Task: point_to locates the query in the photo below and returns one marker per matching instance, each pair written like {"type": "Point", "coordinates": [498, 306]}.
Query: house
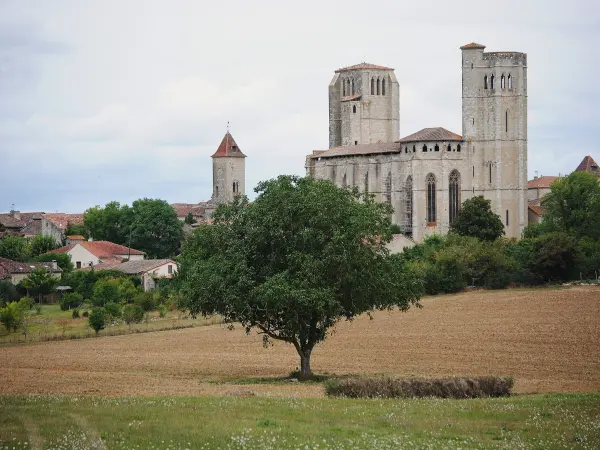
{"type": "Point", "coordinates": [150, 270]}
{"type": "Point", "coordinates": [86, 254]}
{"type": "Point", "coordinates": [17, 271]}
{"type": "Point", "coordinates": [29, 225]}
{"type": "Point", "coordinates": [182, 210]}
{"type": "Point", "coordinates": [539, 186]}
{"type": "Point", "coordinates": [74, 239]}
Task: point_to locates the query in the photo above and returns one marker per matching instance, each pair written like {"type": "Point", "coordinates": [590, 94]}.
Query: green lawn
{"type": "Point", "coordinates": [52, 323]}
{"type": "Point", "coordinates": [68, 422]}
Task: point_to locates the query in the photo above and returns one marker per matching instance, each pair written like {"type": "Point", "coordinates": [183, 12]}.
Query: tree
{"type": "Point", "coordinates": [8, 292]}
{"type": "Point", "coordinates": [294, 262]}
{"type": "Point", "coordinates": [111, 223]}
{"type": "Point", "coordinates": [11, 316]}
{"type": "Point", "coordinates": [476, 219]}
{"type": "Point", "coordinates": [127, 290]}
{"type": "Point", "coordinates": [145, 300]}
{"type": "Point", "coordinates": [76, 230]}
{"type": "Point", "coordinates": [573, 206]}
{"type": "Point", "coordinates": [15, 248]}
{"type": "Point", "coordinates": [97, 320]}
{"type": "Point", "coordinates": [189, 219]}
{"type": "Point", "coordinates": [42, 244]}
{"type": "Point", "coordinates": [554, 257]}
{"type": "Point", "coordinates": [39, 282]}
{"type": "Point", "coordinates": [156, 229]}
{"type": "Point", "coordinates": [70, 300]}
{"type": "Point", "coordinates": [63, 261]}
{"type": "Point", "coordinates": [106, 291]}
{"type": "Point", "coordinates": [132, 314]}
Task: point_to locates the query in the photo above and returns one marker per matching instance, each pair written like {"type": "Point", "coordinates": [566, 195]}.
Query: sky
{"type": "Point", "coordinates": [104, 100]}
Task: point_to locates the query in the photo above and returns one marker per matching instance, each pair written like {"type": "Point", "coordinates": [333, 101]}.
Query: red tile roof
{"type": "Point", "coordinates": [183, 209]}
{"type": "Point", "coordinates": [101, 249]}
{"type": "Point", "coordinates": [9, 267]}
{"type": "Point", "coordinates": [353, 150]}
{"type": "Point", "coordinates": [363, 66]}
{"type": "Point", "coordinates": [61, 220]}
{"type": "Point", "coordinates": [228, 148]}
{"type": "Point", "coordinates": [586, 164]}
{"type": "Point", "coordinates": [472, 45]}
{"type": "Point", "coordinates": [431, 135]}
{"type": "Point", "coordinates": [537, 209]}
{"type": "Point", "coordinates": [541, 182]}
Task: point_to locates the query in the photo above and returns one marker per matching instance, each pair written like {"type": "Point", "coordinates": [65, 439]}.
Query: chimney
{"type": "Point", "coordinates": [16, 214]}
{"type": "Point", "coordinates": [54, 265]}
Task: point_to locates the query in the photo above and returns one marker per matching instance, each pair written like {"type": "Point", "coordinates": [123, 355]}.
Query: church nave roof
{"type": "Point", "coordinates": [432, 135]}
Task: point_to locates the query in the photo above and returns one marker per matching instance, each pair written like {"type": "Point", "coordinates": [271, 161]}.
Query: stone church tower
{"type": "Point", "coordinates": [494, 127]}
{"type": "Point", "coordinates": [364, 106]}
{"type": "Point", "coordinates": [229, 171]}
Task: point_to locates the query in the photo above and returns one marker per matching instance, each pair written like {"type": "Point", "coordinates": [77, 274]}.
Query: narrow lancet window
{"type": "Point", "coordinates": [431, 200]}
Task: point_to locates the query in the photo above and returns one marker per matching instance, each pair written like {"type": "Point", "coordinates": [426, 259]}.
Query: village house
{"type": "Point", "coordinates": [99, 254]}
{"type": "Point", "coordinates": [149, 270]}
{"type": "Point", "coordinates": [16, 271]}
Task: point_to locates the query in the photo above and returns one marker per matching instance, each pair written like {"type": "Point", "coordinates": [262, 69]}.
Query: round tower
{"type": "Point", "coordinates": [494, 126]}
{"type": "Point", "coordinates": [229, 171]}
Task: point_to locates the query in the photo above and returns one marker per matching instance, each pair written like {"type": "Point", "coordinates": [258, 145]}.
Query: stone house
{"type": "Point", "coordinates": [16, 271]}
{"type": "Point", "coordinates": [149, 270]}
{"type": "Point", "coordinates": [99, 254]}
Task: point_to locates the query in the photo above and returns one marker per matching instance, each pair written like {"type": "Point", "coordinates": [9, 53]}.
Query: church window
{"type": "Point", "coordinates": [333, 174]}
{"type": "Point", "coordinates": [490, 175]}
{"type": "Point", "coordinates": [471, 65]}
{"type": "Point", "coordinates": [473, 171]}
{"type": "Point", "coordinates": [507, 217]}
{"type": "Point", "coordinates": [509, 81]}
{"type": "Point", "coordinates": [458, 148]}
{"type": "Point", "coordinates": [454, 194]}
{"type": "Point", "coordinates": [425, 148]}
{"type": "Point", "coordinates": [408, 204]}
{"type": "Point", "coordinates": [437, 148]}
{"type": "Point", "coordinates": [383, 87]}
{"type": "Point", "coordinates": [506, 121]}
{"type": "Point", "coordinates": [388, 188]}
{"type": "Point", "coordinates": [473, 119]}
{"type": "Point", "coordinates": [502, 82]}
{"type": "Point", "coordinates": [366, 186]}
{"type": "Point", "coordinates": [431, 207]}
{"type": "Point", "coordinates": [492, 82]}
{"type": "Point", "coordinates": [378, 86]}
{"type": "Point", "coordinates": [485, 82]}
{"type": "Point", "coordinates": [353, 88]}
{"type": "Point", "coordinates": [344, 181]}
{"type": "Point", "coordinates": [216, 191]}
{"type": "Point", "coordinates": [449, 148]}
{"type": "Point", "coordinates": [372, 86]}
{"type": "Point", "coordinates": [236, 187]}
{"type": "Point", "coordinates": [343, 88]}
{"type": "Point", "coordinates": [354, 109]}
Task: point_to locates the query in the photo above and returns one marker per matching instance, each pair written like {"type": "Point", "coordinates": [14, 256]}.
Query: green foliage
{"type": "Point", "coordinates": [82, 281]}
{"type": "Point", "coordinates": [12, 315]}
{"type": "Point", "coordinates": [70, 300]}
{"type": "Point", "coordinates": [476, 219]}
{"type": "Point", "coordinates": [113, 311]}
{"type": "Point", "coordinates": [532, 230]}
{"type": "Point", "coordinates": [26, 303]}
{"type": "Point", "coordinates": [42, 244]}
{"type": "Point", "coordinates": [554, 257]}
{"type": "Point", "coordinates": [15, 248]}
{"type": "Point", "coordinates": [132, 314]}
{"type": "Point", "coordinates": [39, 282]}
{"type": "Point", "coordinates": [8, 292]}
{"type": "Point", "coordinates": [127, 290]}
{"type": "Point", "coordinates": [573, 206]}
{"type": "Point", "coordinates": [76, 230]}
{"type": "Point", "coordinates": [589, 257]}
{"type": "Point", "coordinates": [75, 313]}
{"type": "Point", "coordinates": [145, 300]}
{"type": "Point", "coordinates": [395, 228]}
{"type": "Point", "coordinates": [111, 223]}
{"type": "Point", "coordinates": [294, 262]}
{"type": "Point", "coordinates": [62, 260]}
{"type": "Point", "coordinates": [97, 319]}
{"type": "Point", "coordinates": [106, 290]}
{"type": "Point", "coordinates": [162, 311]}
{"type": "Point", "coordinates": [156, 229]}
{"type": "Point", "coordinates": [189, 219]}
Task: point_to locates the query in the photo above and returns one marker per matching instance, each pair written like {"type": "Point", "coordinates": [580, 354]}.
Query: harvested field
{"type": "Point", "coordinates": [548, 339]}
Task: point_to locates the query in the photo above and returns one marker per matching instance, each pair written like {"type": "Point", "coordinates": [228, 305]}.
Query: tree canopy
{"type": "Point", "coordinates": [63, 260]}
{"type": "Point", "coordinates": [39, 282]}
{"type": "Point", "coordinates": [15, 248]}
{"type": "Point", "coordinates": [302, 256]}
{"type": "Point", "coordinates": [476, 219]}
{"type": "Point", "coordinates": [42, 244]}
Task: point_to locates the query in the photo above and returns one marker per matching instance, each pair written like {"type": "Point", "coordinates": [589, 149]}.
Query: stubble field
{"type": "Point", "coordinates": [548, 339]}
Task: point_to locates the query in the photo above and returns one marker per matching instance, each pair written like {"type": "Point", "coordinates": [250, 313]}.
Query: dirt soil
{"type": "Point", "coordinates": [548, 339]}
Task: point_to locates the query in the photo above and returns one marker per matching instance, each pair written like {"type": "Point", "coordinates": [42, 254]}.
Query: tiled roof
{"type": "Point", "coordinates": [536, 209]}
{"type": "Point", "coordinates": [228, 148]}
{"type": "Point", "coordinates": [431, 135]}
{"type": "Point", "coordinates": [107, 263]}
{"type": "Point", "coordinates": [541, 182]}
{"type": "Point", "coordinates": [137, 267]}
{"type": "Point", "coordinates": [586, 164]}
{"type": "Point", "coordinates": [33, 227]}
{"type": "Point", "coordinates": [61, 220]}
{"type": "Point", "coordinates": [363, 66]}
{"type": "Point", "coordinates": [183, 209]}
{"type": "Point", "coordinates": [364, 149]}
{"type": "Point", "coordinates": [9, 267]}
{"type": "Point", "coordinates": [472, 45]}
{"type": "Point", "coordinates": [351, 97]}
{"type": "Point", "coordinates": [76, 237]}
{"type": "Point", "coordinates": [9, 220]}
{"type": "Point", "coordinates": [101, 249]}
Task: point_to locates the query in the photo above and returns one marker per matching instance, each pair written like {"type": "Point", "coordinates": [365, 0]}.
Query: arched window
{"type": "Point", "coordinates": [424, 148]}
{"type": "Point", "coordinates": [366, 184]}
{"type": "Point", "coordinates": [458, 148]}
{"type": "Point", "coordinates": [383, 87]}
{"type": "Point", "coordinates": [502, 82]}
{"type": "Point", "coordinates": [343, 88]}
{"type": "Point", "coordinates": [454, 194]}
{"type": "Point", "coordinates": [408, 190]}
{"type": "Point", "coordinates": [437, 148]}
{"type": "Point", "coordinates": [449, 148]}
{"type": "Point", "coordinates": [378, 86]}
{"type": "Point", "coordinates": [492, 82]}
{"type": "Point", "coordinates": [431, 209]}
{"type": "Point", "coordinates": [485, 82]}
{"type": "Point", "coordinates": [353, 87]}
{"type": "Point", "coordinates": [506, 121]}
{"type": "Point", "coordinates": [354, 109]}
{"type": "Point", "coordinates": [235, 187]}
{"type": "Point", "coordinates": [509, 81]}
{"type": "Point", "coordinates": [388, 188]}
{"type": "Point", "coordinates": [372, 86]}
{"type": "Point", "coordinates": [344, 181]}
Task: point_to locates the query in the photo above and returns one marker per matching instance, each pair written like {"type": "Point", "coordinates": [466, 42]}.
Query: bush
{"type": "Point", "coordinates": [97, 319]}
{"type": "Point", "coordinates": [145, 300]}
{"type": "Point", "coordinates": [70, 300]}
{"type": "Point", "coordinates": [8, 292]}
{"type": "Point", "coordinates": [162, 311]}
{"type": "Point", "coordinates": [132, 314]}
{"type": "Point", "coordinates": [12, 316]}
{"type": "Point", "coordinates": [442, 387]}
{"type": "Point", "coordinates": [106, 291]}
{"type": "Point", "coordinates": [113, 311]}
{"type": "Point", "coordinates": [26, 303]}
{"type": "Point", "coordinates": [554, 257]}
{"type": "Point", "coordinates": [75, 314]}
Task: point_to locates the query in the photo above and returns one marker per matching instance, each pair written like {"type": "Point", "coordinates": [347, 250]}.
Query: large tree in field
{"type": "Point", "coordinates": [302, 256]}
{"type": "Point", "coordinates": [156, 229]}
{"type": "Point", "coordinates": [573, 206]}
{"type": "Point", "coordinates": [476, 219]}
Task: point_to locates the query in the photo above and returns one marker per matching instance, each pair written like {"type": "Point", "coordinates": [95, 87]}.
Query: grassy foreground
{"type": "Point", "coordinates": [70, 422]}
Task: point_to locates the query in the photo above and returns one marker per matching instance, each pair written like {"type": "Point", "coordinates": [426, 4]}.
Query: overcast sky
{"type": "Point", "coordinates": [106, 100]}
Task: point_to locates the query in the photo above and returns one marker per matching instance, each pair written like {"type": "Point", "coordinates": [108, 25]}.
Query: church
{"type": "Point", "coordinates": [427, 175]}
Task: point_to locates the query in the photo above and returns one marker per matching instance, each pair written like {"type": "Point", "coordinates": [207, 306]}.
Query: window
{"type": "Point", "coordinates": [355, 142]}
{"type": "Point", "coordinates": [454, 194]}
{"type": "Point", "coordinates": [170, 268]}
{"type": "Point", "coordinates": [458, 148]}
{"type": "Point", "coordinates": [405, 149]}
{"type": "Point", "coordinates": [473, 120]}
{"type": "Point", "coordinates": [378, 86]}
{"type": "Point", "coordinates": [507, 217]}
{"type": "Point", "coordinates": [388, 188]}
{"type": "Point", "coordinates": [344, 181]}
{"type": "Point", "coordinates": [473, 171]}
{"type": "Point", "coordinates": [437, 148]}
{"type": "Point", "coordinates": [506, 121]}
{"type": "Point", "coordinates": [366, 186]}
{"type": "Point", "coordinates": [372, 86]}
{"type": "Point", "coordinates": [408, 190]}
{"type": "Point", "coordinates": [431, 211]}
{"type": "Point", "coordinates": [502, 82]}
{"type": "Point", "coordinates": [490, 167]}
{"type": "Point", "coordinates": [343, 88]}
{"type": "Point", "coordinates": [471, 65]}
{"type": "Point", "coordinates": [216, 191]}
{"type": "Point", "coordinates": [449, 148]}
{"type": "Point", "coordinates": [333, 174]}
{"type": "Point", "coordinates": [78, 264]}
{"type": "Point", "coordinates": [425, 148]}
{"type": "Point", "coordinates": [485, 82]}
{"type": "Point", "coordinates": [492, 82]}
{"type": "Point", "coordinates": [383, 87]}
{"type": "Point", "coordinates": [354, 109]}
{"type": "Point", "coordinates": [509, 81]}
{"type": "Point", "coordinates": [236, 187]}
{"type": "Point", "coordinates": [352, 87]}
{"type": "Point", "coordinates": [414, 148]}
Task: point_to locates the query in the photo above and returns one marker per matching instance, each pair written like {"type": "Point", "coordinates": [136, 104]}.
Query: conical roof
{"type": "Point", "coordinates": [228, 148]}
{"type": "Point", "coordinates": [586, 164]}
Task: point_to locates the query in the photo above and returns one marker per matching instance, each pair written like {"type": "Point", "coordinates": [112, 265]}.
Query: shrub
{"type": "Point", "coordinates": [113, 311]}
{"type": "Point", "coordinates": [8, 292]}
{"type": "Point", "coordinates": [162, 311]}
{"type": "Point", "coordinates": [75, 314]}
{"type": "Point", "coordinates": [70, 300]}
{"type": "Point", "coordinates": [441, 387]}
{"type": "Point", "coordinates": [554, 257]}
{"type": "Point", "coordinates": [145, 300]}
{"type": "Point", "coordinates": [106, 291]}
{"type": "Point", "coordinates": [97, 319]}
{"type": "Point", "coordinates": [132, 314]}
{"type": "Point", "coordinates": [12, 316]}
{"type": "Point", "coordinates": [26, 303]}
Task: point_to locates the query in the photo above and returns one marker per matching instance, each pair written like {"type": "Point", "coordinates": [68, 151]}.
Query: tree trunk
{"type": "Point", "coordinates": [305, 372]}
